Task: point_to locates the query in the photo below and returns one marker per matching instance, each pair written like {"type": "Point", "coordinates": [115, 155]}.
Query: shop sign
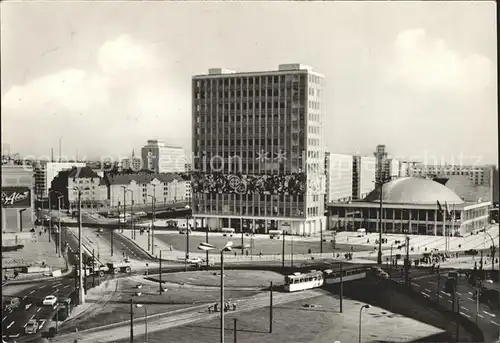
{"type": "Point", "coordinates": [16, 197]}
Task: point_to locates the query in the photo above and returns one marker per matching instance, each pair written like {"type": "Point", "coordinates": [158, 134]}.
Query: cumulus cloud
{"type": "Point", "coordinates": [427, 63]}
{"type": "Point", "coordinates": [118, 96]}
{"type": "Point", "coordinates": [123, 54]}
{"type": "Point", "coordinates": [70, 89]}
{"type": "Point", "coordinates": [82, 90]}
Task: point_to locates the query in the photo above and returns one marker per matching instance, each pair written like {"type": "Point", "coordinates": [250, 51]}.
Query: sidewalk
{"type": "Point", "coordinates": [419, 242]}
{"type": "Point", "coordinates": [36, 252]}
{"type": "Point", "coordinates": [168, 253]}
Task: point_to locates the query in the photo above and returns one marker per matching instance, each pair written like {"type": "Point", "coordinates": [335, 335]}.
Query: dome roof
{"type": "Point", "coordinates": [409, 190]}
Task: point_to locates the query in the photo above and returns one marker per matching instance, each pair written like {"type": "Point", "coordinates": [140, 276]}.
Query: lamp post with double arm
{"type": "Point", "coordinates": [228, 247]}
{"type": "Point", "coordinates": [81, 295]}
{"type": "Point", "coordinates": [381, 200]}
{"type": "Point", "coordinates": [493, 250]}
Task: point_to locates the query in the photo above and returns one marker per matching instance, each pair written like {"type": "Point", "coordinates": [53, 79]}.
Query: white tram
{"type": "Point", "coordinates": [299, 282]}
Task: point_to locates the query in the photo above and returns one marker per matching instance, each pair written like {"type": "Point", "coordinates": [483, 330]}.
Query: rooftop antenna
{"type": "Point", "coordinates": [51, 154]}
{"type": "Point", "coordinates": [60, 142]}
{"type": "Point", "coordinates": [77, 155]}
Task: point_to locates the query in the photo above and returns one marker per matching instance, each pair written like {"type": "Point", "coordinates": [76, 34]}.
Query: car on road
{"type": "Point", "coordinates": [31, 327]}
{"type": "Point", "coordinates": [50, 300]}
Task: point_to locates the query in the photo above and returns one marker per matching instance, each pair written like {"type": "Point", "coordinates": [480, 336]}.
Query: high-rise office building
{"type": "Point", "coordinates": [258, 148]}
{"type": "Point", "coordinates": [133, 163]}
{"type": "Point", "coordinates": [45, 172]}
{"type": "Point", "coordinates": [363, 176]}
{"type": "Point", "coordinates": [339, 177]}
{"type": "Point", "coordinates": [477, 174]}
{"type": "Point", "coordinates": [381, 157]}
{"type": "Point", "coordinates": [159, 157]}
{"type": "Point", "coordinates": [391, 169]}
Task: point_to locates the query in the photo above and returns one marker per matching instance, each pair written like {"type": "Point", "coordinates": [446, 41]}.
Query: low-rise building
{"type": "Point", "coordinates": [18, 210]}
{"type": "Point", "coordinates": [410, 205]}
{"type": "Point", "coordinates": [69, 183]}
{"type": "Point", "coordinates": [142, 187]}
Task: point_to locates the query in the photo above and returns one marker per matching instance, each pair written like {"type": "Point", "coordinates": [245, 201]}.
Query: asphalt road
{"type": "Point", "coordinates": [31, 307]}
{"type": "Point", "coordinates": [120, 244]}
{"type": "Point", "coordinates": [487, 317]}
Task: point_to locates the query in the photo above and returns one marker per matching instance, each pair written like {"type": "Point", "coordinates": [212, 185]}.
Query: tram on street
{"type": "Point", "coordinates": [300, 282]}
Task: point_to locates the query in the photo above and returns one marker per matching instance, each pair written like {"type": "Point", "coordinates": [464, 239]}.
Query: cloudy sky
{"type": "Point", "coordinates": [419, 77]}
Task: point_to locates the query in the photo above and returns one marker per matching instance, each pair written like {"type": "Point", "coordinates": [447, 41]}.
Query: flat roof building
{"type": "Point", "coordinates": [159, 157]}
{"type": "Point", "coordinates": [339, 177]}
{"type": "Point", "coordinates": [410, 205]}
{"type": "Point", "coordinates": [363, 176]}
{"type": "Point", "coordinates": [258, 147]}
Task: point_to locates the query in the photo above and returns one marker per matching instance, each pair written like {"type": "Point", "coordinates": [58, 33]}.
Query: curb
{"type": "Point", "coordinates": [126, 322]}
{"type": "Point", "coordinates": [21, 282]}
{"type": "Point", "coordinates": [138, 246]}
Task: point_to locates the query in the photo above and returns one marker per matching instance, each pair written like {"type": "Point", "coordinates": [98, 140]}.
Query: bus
{"type": "Point", "coordinates": [227, 231]}
{"type": "Point", "coordinates": [300, 282]}
{"type": "Point", "coordinates": [275, 233]}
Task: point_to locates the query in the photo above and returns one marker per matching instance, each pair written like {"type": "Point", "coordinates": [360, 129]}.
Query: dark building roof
{"type": "Point", "coordinates": [125, 179]}
{"type": "Point", "coordinates": [82, 172]}
{"type": "Point", "coordinates": [409, 190]}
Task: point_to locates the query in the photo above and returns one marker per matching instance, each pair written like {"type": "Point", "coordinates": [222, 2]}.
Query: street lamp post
{"type": "Point", "coordinates": [381, 188]}
{"type": "Point", "coordinates": [187, 207]}
{"type": "Point", "coordinates": [153, 203]}
{"type": "Point", "coordinates": [81, 295]}
{"type": "Point", "coordinates": [391, 255]}
{"type": "Point", "coordinates": [50, 217]}
{"type": "Point", "coordinates": [379, 255]}
{"type": "Point", "coordinates": [228, 247]}
{"type": "Point", "coordinates": [145, 321]}
{"type": "Point", "coordinates": [124, 207]}
{"type": "Point", "coordinates": [58, 239]}
{"type": "Point", "coordinates": [361, 310]}
{"type": "Point", "coordinates": [59, 234]}
{"type": "Point", "coordinates": [132, 217]}
{"type": "Point", "coordinates": [161, 283]}
{"type": "Point", "coordinates": [493, 250]}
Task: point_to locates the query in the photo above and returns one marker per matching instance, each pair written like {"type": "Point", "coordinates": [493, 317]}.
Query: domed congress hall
{"type": "Point", "coordinates": [410, 205]}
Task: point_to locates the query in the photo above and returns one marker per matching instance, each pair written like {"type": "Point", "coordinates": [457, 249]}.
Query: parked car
{"type": "Point", "coordinates": [50, 300]}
